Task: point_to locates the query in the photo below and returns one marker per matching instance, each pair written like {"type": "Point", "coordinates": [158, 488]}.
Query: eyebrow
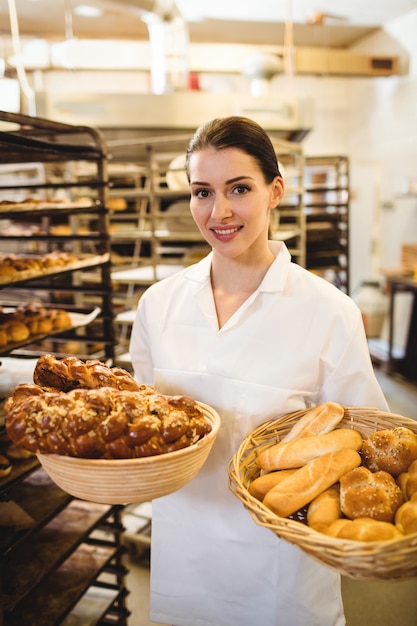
{"type": "Point", "coordinates": [228, 182]}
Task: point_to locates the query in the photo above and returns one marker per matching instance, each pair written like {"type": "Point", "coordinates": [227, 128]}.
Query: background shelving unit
{"type": "Point", "coordinates": [60, 558]}
{"type": "Point", "coordinates": [326, 202]}
{"type": "Point", "coordinates": [288, 220]}
{"type": "Point", "coordinates": [45, 208]}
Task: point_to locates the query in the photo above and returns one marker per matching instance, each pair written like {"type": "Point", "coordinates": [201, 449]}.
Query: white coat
{"type": "Point", "coordinates": [295, 342]}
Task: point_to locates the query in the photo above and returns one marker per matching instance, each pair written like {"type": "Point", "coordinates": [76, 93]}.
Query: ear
{"type": "Point", "coordinates": [277, 191]}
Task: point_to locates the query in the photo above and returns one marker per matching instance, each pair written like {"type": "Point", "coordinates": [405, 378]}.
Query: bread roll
{"type": "Point", "coordinates": [370, 494]}
{"type": "Point", "coordinates": [318, 420]}
{"type": "Point", "coordinates": [7, 270]}
{"type": "Point", "coordinates": [285, 455]}
{"type": "Point", "coordinates": [407, 481]}
{"type": "Point", "coordinates": [58, 258]}
{"type": "Point", "coordinates": [363, 529]}
{"type": "Point", "coordinates": [32, 323]}
{"type": "Point", "coordinates": [14, 452]}
{"type": "Point", "coordinates": [390, 450]}
{"type": "Point", "coordinates": [259, 487]}
{"type": "Point", "coordinates": [324, 509]}
{"type": "Point", "coordinates": [61, 319]}
{"type": "Point", "coordinates": [16, 331]}
{"type": "Point", "coordinates": [3, 338]}
{"type": "Point", "coordinates": [309, 481]}
{"type": "Point", "coordinates": [406, 516]}
{"type": "Point", "coordinates": [116, 204]}
{"type": "Point", "coordinates": [5, 466]}
{"type": "Point", "coordinates": [44, 324]}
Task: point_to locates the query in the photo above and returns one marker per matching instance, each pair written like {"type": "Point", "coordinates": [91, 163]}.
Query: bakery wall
{"type": "Point", "coordinates": [383, 150]}
{"type": "Point", "coordinates": [369, 119]}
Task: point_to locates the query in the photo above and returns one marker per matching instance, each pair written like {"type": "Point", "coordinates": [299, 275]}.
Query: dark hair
{"type": "Point", "coordinates": [236, 132]}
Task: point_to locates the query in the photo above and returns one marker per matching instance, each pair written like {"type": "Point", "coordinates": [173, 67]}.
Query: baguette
{"type": "Point", "coordinates": [324, 509]}
{"type": "Point", "coordinates": [309, 481]}
{"type": "Point", "coordinates": [318, 420]}
{"type": "Point", "coordinates": [259, 487]}
{"type": "Point", "coordinates": [286, 455]}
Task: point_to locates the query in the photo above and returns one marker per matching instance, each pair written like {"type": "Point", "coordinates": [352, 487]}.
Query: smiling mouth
{"type": "Point", "coordinates": [226, 231]}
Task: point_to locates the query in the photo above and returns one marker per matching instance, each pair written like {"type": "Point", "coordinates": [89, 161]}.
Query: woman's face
{"type": "Point", "coordinates": [230, 200]}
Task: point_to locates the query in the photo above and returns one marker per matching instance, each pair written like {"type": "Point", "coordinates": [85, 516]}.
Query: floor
{"type": "Point", "coordinates": [366, 603]}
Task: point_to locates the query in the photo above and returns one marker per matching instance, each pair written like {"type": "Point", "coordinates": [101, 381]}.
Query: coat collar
{"type": "Point", "coordinates": [273, 281]}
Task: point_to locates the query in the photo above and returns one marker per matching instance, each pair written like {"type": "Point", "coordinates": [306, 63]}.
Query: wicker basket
{"type": "Point", "coordinates": [129, 481]}
{"type": "Point", "coordinates": [389, 560]}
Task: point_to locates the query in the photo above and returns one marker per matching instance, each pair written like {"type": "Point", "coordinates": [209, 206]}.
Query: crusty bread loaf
{"type": "Point", "coordinates": [363, 529]}
{"type": "Point", "coordinates": [324, 509]}
{"type": "Point", "coordinates": [370, 494]}
{"type": "Point", "coordinates": [318, 420]}
{"type": "Point", "coordinates": [390, 450]}
{"type": "Point", "coordinates": [309, 481]}
{"type": "Point", "coordinates": [259, 487]}
{"type": "Point", "coordinates": [406, 516]}
{"type": "Point", "coordinates": [296, 453]}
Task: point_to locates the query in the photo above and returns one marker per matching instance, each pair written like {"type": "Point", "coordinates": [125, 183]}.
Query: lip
{"type": "Point", "coordinates": [226, 233]}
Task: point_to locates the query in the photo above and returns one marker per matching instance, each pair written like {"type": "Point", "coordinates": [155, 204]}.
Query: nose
{"type": "Point", "coordinates": [221, 208]}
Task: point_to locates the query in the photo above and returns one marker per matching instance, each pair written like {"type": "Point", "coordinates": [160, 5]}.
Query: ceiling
{"type": "Point", "coordinates": [336, 23]}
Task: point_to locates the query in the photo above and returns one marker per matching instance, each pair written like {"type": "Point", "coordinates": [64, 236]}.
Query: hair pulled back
{"type": "Point", "coordinates": [236, 132]}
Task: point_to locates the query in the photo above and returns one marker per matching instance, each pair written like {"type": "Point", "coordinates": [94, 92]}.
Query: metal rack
{"type": "Point", "coordinates": [55, 211]}
{"type": "Point", "coordinates": [326, 203]}
{"type": "Point", "coordinates": [59, 557]}
{"type": "Point", "coordinates": [288, 221]}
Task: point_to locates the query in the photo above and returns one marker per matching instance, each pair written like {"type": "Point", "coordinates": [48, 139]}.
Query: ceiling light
{"type": "Point", "coordinates": [85, 10]}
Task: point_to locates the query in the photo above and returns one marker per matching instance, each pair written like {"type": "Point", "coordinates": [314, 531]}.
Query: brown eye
{"type": "Point", "coordinates": [241, 189]}
{"type": "Point", "coordinates": [201, 193]}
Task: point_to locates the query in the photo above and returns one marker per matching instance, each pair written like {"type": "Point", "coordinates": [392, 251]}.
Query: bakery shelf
{"type": "Point", "coordinates": [61, 212]}
{"type": "Point", "coordinates": [49, 548]}
{"type": "Point", "coordinates": [96, 607]}
{"type": "Point", "coordinates": [159, 233]}
{"type": "Point", "coordinates": [69, 214]}
{"type": "Point", "coordinates": [27, 505]}
{"type": "Point", "coordinates": [63, 588]}
{"type": "Point", "coordinates": [20, 469]}
{"type": "Point", "coordinates": [145, 275]}
{"type": "Point", "coordinates": [35, 208]}
{"type": "Point", "coordinates": [57, 544]}
{"type": "Point", "coordinates": [28, 139]}
{"type": "Point", "coordinates": [326, 201]}
{"type": "Point", "coordinates": [86, 263]}
{"type": "Point", "coordinates": [78, 320]}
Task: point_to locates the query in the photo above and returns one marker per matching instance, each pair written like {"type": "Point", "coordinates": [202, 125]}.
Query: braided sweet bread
{"type": "Point", "coordinates": [66, 411]}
